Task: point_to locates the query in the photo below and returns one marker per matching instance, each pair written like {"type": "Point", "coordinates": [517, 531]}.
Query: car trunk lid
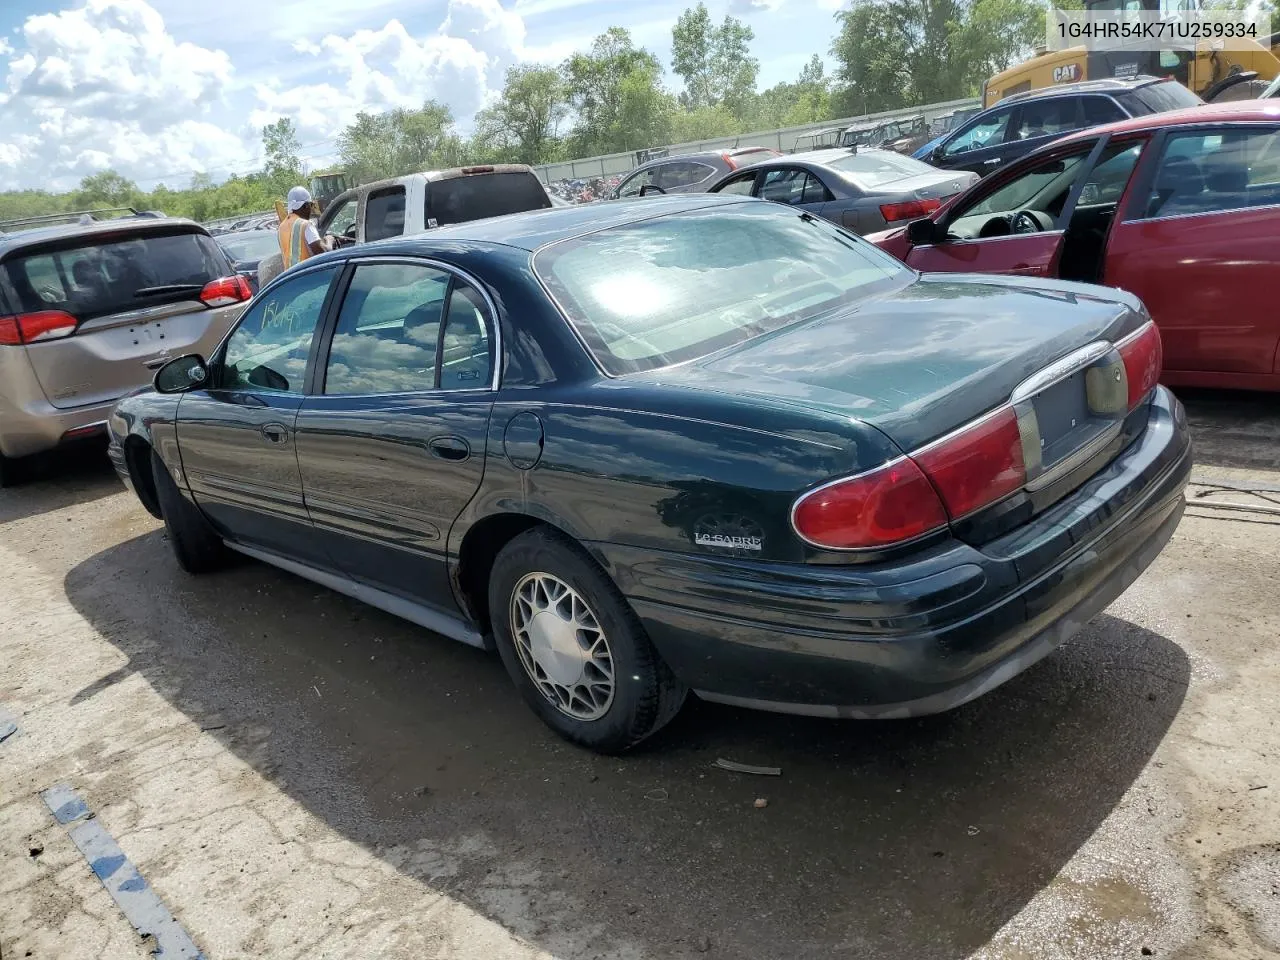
{"type": "Point", "coordinates": [942, 353]}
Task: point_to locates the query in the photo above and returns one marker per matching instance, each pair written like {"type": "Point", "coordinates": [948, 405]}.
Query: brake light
{"type": "Point", "coordinates": [35, 327]}
{"type": "Point", "coordinates": [976, 466]}
{"type": "Point", "coordinates": [1143, 356]}
{"type": "Point", "coordinates": [468, 171]}
{"type": "Point", "coordinates": [226, 290]}
{"type": "Point", "coordinates": [884, 506]}
{"type": "Point", "coordinates": [908, 210]}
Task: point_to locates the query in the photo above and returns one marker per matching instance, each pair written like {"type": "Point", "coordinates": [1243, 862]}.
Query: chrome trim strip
{"type": "Point", "coordinates": [1075, 459]}
{"type": "Point", "coordinates": [1059, 370]}
{"type": "Point", "coordinates": [435, 620]}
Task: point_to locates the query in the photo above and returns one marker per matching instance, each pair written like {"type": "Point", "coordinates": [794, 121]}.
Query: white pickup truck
{"type": "Point", "coordinates": [423, 201]}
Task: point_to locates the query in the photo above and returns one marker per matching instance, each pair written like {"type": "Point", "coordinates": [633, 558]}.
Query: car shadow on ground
{"type": "Point", "coordinates": [1233, 428]}
{"type": "Point", "coordinates": [915, 839]}
{"type": "Point", "coordinates": [62, 478]}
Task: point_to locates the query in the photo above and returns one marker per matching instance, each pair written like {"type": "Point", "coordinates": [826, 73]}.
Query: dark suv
{"type": "Point", "coordinates": [89, 309]}
{"type": "Point", "coordinates": [1022, 122]}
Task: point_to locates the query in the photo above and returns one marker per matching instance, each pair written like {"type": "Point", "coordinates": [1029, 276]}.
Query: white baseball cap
{"type": "Point", "coordinates": [298, 197]}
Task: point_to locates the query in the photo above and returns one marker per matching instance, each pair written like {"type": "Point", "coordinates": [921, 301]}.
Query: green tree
{"type": "Point", "coordinates": [595, 82]}
{"type": "Point", "coordinates": [391, 144]}
{"type": "Point", "coordinates": [715, 62]}
{"type": "Point", "coordinates": [524, 123]}
{"type": "Point", "coordinates": [106, 189]}
{"type": "Point", "coordinates": [808, 100]}
{"type": "Point", "coordinates": [280, 148]}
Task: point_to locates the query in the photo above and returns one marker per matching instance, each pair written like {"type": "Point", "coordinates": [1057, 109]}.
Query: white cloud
{"type": "Point", "coordinates": [460, 64]}
{"type": "Point", "coordinates": [105, 85]}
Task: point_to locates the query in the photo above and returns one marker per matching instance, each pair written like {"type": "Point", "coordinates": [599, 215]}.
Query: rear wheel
{"type": "Point", "coordinates": [575, 648]}
{"type": "Point", "coordinates": [196, 546]}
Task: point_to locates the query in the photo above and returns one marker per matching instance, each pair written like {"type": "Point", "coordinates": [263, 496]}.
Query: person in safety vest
{"type": "Point", "coordinates": [299, 238]}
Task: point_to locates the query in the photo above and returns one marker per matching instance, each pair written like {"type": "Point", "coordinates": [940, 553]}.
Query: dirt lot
{"type": "Point", "coordinates": [297, 775]}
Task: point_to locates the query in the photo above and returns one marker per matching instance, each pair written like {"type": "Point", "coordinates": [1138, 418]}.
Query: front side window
{"type": "Point", "coordinates": [793, 186]}
{"type": "Point", "coordinates": [1042, 188]}
{"type": "Point", "coordinates": [741, 185]}
{"type": "Point", "coordinates": [1215, 172]}
{"type": "Point", "coordinates": [384, 214]}
{"type": "Point", "coordinates": [632, 186]}
{"type": "Point", "coordinates": [343, 218]}
{"type": "Point", "coordinates": [269, 348]}
{"type": "Point", "coordinates": [678, 287]}
{"type": "Point", "coordinates": [389, 335]}
{"type": "Point", "coordinates": [986, 132]}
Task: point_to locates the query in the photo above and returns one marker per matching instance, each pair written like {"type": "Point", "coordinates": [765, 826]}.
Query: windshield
{"type": "Point", "coordinates": [250, 246]}
{"type": "Point", "coordinates": [100, 275]}
{"type": "Point", "coordinates": [480, 195]}
{"type": "Point", "coordinates": [873, 169]}
{"type": "Point", "coordinates": [679, 287]}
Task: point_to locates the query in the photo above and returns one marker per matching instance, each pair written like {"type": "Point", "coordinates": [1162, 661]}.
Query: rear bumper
{"type": "Point", "coordinates": [36, 426]}
{"type": "Point", "coordinates": [922, 635]}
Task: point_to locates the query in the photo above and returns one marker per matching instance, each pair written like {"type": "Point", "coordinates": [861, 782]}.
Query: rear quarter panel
{"type": "Point", "coordinates": [646, 468]}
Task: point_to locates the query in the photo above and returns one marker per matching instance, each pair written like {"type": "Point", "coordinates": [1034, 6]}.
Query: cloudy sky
{"type": "Point", "coordinates": [160, 89]}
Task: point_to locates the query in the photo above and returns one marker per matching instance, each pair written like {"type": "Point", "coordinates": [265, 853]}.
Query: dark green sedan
{"type": "Point", "coordinates": [686, 443]}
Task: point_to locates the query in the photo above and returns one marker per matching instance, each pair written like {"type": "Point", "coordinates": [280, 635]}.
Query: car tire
{"type": "Point", "coordinates": [544, 588]}
{"type": "Point", "coordinates": [196, 546]}
{"type": "Point", "coordinates": [8, 476]}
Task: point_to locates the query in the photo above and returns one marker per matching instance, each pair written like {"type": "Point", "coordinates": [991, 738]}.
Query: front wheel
{"type": "Point", "coordinates": [196, 546]}
{"type": "Point", "coordinates": [575, 648]}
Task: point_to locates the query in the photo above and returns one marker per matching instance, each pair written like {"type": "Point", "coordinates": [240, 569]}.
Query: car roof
{"type": "Point", "coordinates": [534, 229]}
{"type": "Point", "coordinates": [827, 155]}
{"type": "Point", "coordinates": [1230, 111]}
{"type": "Point", "coordinates": [1102, 85]}
{"type": "Point", "coordinates": [134, 225]}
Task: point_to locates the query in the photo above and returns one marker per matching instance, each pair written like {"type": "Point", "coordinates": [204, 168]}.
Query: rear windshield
{"type": "Point", "coordinates": [872, 169]}
{"type": "Point", "coordinates": [111, 274]}
{"type": "Point", "coordinates": [480, 195]}
{"type": "Point", "coordinates": [250, 246]}
{"type": "Point", "coordinates": [679, 287]}
{"type": "Point", "coordinates": [1159, 97]}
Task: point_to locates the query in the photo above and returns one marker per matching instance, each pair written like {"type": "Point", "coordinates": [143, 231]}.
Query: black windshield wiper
{"type": "Point", "coordinates": [168, 288]}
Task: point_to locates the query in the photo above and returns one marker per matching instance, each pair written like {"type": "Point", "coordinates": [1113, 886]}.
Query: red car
{"type": "Point", "coordinates": [1181, 208]}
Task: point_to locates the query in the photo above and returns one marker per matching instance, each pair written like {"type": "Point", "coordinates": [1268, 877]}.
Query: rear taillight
{"type": "Point", "coordinates": [909, 497]}
{"type": "Point", "coordinates": [36, 327]}
{"type": "Point", "coordinates": [884, 506]}
{"type": "Point", "coordinates": [1143, 356]}
{"type": "Point", "coordinates": [225, 290]}
{"type": "Point", "coordinates": [909, 210]}
{"type": "Point", "coordinates": [978, 465]}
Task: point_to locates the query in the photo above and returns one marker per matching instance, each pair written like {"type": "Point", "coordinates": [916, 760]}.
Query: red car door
{"type": "Point", "coordinates": [1198, 246]}
{"type": "Point", "coordinates": [1010, 224]}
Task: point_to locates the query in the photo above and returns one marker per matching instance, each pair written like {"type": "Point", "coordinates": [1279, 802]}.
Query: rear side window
{"type": "Point", "coordinates": [1214, 172]}
{"type": "Point", "coordinates": [1159, 97]}
{"type": "Point", "coordinates": [1100, 110]}
{"type": "Point", "coordinates": [460, 199]}
{"type": "Point", "coordinates": [1040, 118]}
{"type": "Point", "coordinates": [384, 214]}
{"type": "Point", "coordinates": [99, 276]}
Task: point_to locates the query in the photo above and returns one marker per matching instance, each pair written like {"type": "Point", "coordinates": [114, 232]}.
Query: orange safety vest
{"type": "Point", "coordinates": [293, 240]}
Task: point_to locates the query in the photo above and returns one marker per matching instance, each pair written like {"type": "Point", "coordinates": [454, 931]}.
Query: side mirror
{"type": "Point", "coordinates": [921, 233]}
{"type": "Point", "coordinates": [649, 188]}
{"type": "Point", "coordinates": [182, 374]}
{"type": "Point", "coordinates": [937, 154]}
{"type": "Point", "coordinates": [350, 232]}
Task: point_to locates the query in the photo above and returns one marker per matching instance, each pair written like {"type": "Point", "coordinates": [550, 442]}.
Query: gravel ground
{"type": "Point", "coordinates": [298, 775]}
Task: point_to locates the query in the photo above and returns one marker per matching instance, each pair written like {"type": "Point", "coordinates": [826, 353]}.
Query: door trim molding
{"type": "Point", "coordinates": [437, 621]}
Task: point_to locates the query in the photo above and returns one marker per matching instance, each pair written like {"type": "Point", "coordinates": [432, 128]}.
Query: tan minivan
{"type": "Point", "coordinates": [90, 309]}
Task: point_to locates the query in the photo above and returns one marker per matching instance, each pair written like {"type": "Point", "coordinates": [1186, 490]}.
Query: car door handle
{"type": "Point", "coordinates": [449, 448]}
{"type": "Point", "coordinates": [991, 163]}
{"type": "Point", "coordinates": [275, 433]}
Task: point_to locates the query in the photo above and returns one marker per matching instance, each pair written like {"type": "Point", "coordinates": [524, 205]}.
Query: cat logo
{"type": "Point", "coordinates": [1066, 74]}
